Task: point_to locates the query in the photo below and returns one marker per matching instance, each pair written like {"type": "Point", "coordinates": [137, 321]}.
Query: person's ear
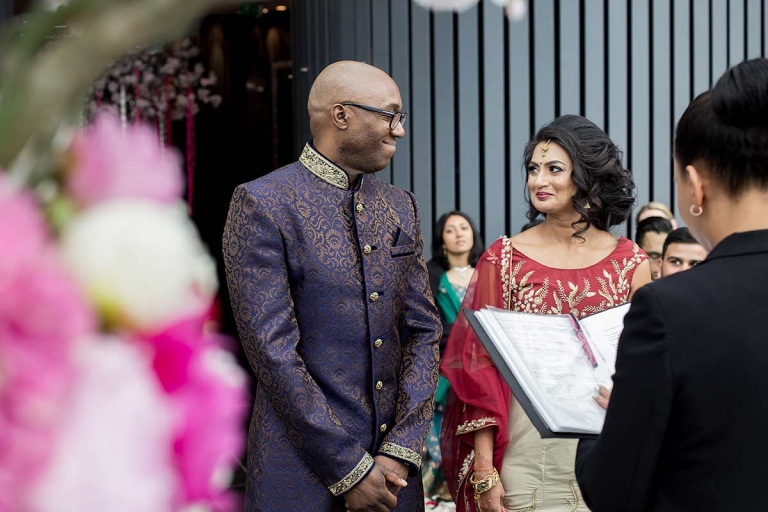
{"type": "Point", "coordinates": [339, 117]}
{"type": "Point", "coordinates": [696, 179]}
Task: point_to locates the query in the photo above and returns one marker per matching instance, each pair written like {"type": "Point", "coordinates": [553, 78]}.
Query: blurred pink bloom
{"type": "Point", "coordinates": [114, 451]}
{"type": "Point", "coordinates": [208, 390]}
{"type": "Point", "coordinates": [111, 162]}
{"type": "Point", "coordinates": [43, 315]}
{"type": "Point", "coordinates": [23, 231]}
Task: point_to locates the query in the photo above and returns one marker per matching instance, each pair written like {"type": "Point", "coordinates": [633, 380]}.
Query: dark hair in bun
{"type": "Point", "coordinates": [727, 128]}
{"type": "Point", "coordinates": [598, 174]}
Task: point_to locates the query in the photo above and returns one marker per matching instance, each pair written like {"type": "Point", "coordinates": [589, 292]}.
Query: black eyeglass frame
{"type": "Point", "coordinates": [396, 117]}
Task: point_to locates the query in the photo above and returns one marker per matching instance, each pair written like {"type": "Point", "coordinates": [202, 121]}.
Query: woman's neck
{"type": "Point", "coordinates": [559, 228]}
{"type": "Point", "coordinates": [458, 260]}
{"type": "Point", "coordinates": [728, 216]}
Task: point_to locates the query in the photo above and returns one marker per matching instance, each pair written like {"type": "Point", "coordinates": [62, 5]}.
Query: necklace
{"type": "Point", "coordinates": [462, 271]}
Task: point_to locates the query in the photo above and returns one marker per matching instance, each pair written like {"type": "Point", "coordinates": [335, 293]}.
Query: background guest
{"type": "Point", "coordinates": [656, 209]}
{"type": "Point", "coordinates": [650, 236]}
{"type": "Point", "coordinates": [681, 252]}
{"type": "Point", "coordinates": [456, 247]}
{"type": "Point", "coordinates": [685, 423]}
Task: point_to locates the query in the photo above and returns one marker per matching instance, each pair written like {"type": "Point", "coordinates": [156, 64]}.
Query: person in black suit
{"type": "Point", "coordinates": [687, 415]}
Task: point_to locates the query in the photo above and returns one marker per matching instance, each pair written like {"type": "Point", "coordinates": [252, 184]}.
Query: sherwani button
{"type": "Point", "coordinates": [383, 428]}
{"type": "Point", "coordinates": [359, 207]}
{"type": "Point", "coordinates": [379, 385]}
{"type": "Point", "coordinates": [377, 343]}
{"type": "Point", "coordinates": [367, 249]}
{"type": "Point", "coordinates": [374, 296]}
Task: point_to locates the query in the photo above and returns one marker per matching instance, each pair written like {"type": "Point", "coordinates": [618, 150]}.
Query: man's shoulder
{"type": "Point", "coordinates": [393, 193]}
{"type": "Point", "coordinates": [279, 180]}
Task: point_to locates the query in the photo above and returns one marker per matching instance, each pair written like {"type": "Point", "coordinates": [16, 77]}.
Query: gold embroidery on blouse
{"type": "Point", "coordinates": [353, 477]}
{"type": "Point", "coordinates": [506, 258]}
{"type": "Point", "coordinates": [323, 168]}
{"type": "Point", "coordinates": [614, 289]}
{"type": "Point", "coordinates": [401, 453]}
{"type": "Point", "coordinates": [471, 426]}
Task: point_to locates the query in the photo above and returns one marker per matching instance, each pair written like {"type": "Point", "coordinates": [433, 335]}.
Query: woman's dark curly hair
{"type": "Point", "coordinates": [598, 174]}
{"type": "Point", "coordinates": [437, 240]}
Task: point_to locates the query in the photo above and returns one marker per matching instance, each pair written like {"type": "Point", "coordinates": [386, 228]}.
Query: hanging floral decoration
{"type": "Point", "coordinates": [155, 83]}
{"type": "Point", "coordinates": [158, 86]}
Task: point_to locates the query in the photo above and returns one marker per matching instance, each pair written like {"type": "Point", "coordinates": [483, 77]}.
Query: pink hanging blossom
{"type": "Point", "coordinates": [43, 315]}
{"type": "Point", "coordinates": [208, 391]}
{"type": "Point", "coordinates": [111, 162]}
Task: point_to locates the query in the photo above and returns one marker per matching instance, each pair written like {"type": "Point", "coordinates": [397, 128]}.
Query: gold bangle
{"type": "Point", "coordinates": [484, 484]}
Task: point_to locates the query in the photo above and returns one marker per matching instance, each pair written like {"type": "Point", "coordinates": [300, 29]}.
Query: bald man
{"type": "Point", "coordinates": [331, 295]}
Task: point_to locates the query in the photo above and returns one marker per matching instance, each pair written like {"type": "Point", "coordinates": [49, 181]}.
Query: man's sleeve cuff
{"type": "Point", "coordinates": [406, 455]}
{"type": "Point", "coordinates": [354, 476]}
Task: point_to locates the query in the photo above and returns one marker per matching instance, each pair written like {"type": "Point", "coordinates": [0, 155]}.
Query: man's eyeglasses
{"type": "Point", "coordinates": [395, 118]}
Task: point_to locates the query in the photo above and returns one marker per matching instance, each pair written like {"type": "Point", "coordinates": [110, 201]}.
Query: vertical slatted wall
{"type": "Point", "coordinates": [477, 85]}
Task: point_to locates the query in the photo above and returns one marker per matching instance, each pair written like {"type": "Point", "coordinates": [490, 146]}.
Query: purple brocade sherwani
{"type": "Point", "coordinates": [333, 305]}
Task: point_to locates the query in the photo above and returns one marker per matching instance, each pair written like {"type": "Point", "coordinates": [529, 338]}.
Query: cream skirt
{"type": "Point", "coordinates": [538, 474]}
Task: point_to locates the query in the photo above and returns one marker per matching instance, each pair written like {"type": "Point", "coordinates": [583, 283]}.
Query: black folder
{"type": "Point", "coordinates": [514, 385]}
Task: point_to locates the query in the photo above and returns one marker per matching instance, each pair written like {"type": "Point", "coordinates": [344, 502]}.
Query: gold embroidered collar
{"type": "Point", "coordinates": [323, 168]}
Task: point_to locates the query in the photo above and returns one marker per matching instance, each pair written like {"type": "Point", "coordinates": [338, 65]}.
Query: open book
{"type": "Point", "coordinates": [554, 364]}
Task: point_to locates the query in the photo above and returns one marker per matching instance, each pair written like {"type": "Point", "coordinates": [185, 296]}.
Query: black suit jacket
{"type": "Point", "coordinates": [688, 417]}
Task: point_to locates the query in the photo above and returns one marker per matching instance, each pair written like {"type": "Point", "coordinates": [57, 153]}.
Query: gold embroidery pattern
{"type": "Point", "coordinates": [532, 508]}
{"type": "Point", "coordinates": [471, 426]}
{"type": "Point", "coordinates": [506, 258]}
{"type": "Point", "coordinates": [463, 472]}
{"type": "Point", "coordinates": [572, 503]}
{"type": "Point", "coordinates": [401, 453]}
{"type": "Point", "coordinates": [323, 168]}
{"type": "Point", "coordinates": [353, 477]}
{"type": "Point", "coordinates": [613, 289]}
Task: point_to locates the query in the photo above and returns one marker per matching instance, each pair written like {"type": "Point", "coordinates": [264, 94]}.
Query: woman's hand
{"type": "Point", "coordinates": [604, 397]}
{"type": "Point", "coordinates": [491, 500]}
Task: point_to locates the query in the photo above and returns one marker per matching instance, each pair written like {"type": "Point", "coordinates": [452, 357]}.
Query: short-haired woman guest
{"type": "Point", "coordinates": [456, 247]}
{"type": "Point", "coordinates": [687, 417]}
{"type": "Point", "coordinates": [570, 263]}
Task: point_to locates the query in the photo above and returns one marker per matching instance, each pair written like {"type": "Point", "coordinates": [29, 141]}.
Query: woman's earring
{"type": "Point", "coordinates": [445, 253]}
{"type": "Point", "coordinates": [699, 210]}
{"type": "Point", "coordinates": [587, 206]}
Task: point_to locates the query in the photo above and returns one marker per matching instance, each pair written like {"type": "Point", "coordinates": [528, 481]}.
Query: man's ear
{"type": "Point", "coordinates": [339, 117]}
{"type": "Point", "coordinates": [697, 181]}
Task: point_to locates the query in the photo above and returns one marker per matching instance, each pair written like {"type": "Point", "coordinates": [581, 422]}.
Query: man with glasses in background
{"type": "Point", "coordinates": [650, 236]}
{"type": "Point", "coordinates": [331, 296]}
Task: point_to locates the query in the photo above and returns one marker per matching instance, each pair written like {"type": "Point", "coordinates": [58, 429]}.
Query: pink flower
{"type": "Point", "coordinates": [43, 315]}
{"type": "Point", "coordinates": [114, 451]}
{"type": "Point", "coordinates": [208, 391]}
{"type": "Point", "coordinates": [23, 231]}
{"type": "Point", "coordinates": [111, 162]}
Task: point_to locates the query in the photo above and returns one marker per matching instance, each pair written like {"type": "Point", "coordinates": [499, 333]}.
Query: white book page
{"type": "Point", "coordinates": [549, 362]}
{"type": "Point", "coordinates": [603, 331]}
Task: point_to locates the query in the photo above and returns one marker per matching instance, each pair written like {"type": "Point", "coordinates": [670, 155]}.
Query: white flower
{"type": "Point", "coordinates": [115, 450]}
{"type": "Point", "coordinates": [141, 262]}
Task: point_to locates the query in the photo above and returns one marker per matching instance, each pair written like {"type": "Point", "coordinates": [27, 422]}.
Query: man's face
{"type": "Point", "coordinates": [370, 144]}
{"type": "Point", "coordinates": [653, 245]}
{"type": "Point", "coordinates": [681, 257]}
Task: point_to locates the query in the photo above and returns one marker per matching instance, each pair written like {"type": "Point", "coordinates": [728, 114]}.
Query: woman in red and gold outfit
{"type": "Point", "coordinates": [570, 263]}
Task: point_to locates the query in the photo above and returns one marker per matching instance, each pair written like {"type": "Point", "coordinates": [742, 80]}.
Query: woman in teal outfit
{"type": "Point", "coordinates": [456, 247]}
